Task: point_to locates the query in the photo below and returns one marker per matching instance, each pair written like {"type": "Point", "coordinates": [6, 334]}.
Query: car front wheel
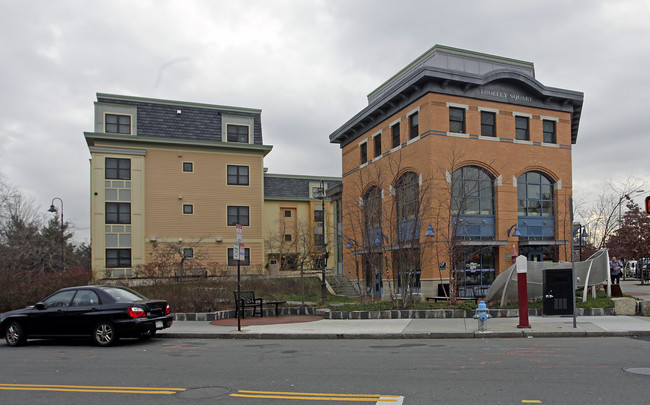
{"type": "Point", "coordinates": [104, 334]}
{"type": "Point", "coordinates": [15, 334]}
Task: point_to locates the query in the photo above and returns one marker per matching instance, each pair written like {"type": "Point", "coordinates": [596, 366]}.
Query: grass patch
{"type": "Point", "coordinates": [601, 301]}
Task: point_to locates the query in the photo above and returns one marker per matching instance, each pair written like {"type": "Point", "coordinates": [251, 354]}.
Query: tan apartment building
{"type": "Point", "coordinates": [459, 162]}
{"type": "Point", "coordinates": [299, 222]}
{"type": "Point", "coordinates": [170, 182]}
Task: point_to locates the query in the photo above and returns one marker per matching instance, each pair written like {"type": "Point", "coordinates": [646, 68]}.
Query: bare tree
{"type": "Point", "coordinates": [603, 217]}
{"type": "Point", "coordinates": [174, 260]}
{"type": "Point", "coordinates": [463, 201]}
{"type": "Point", "coordinates": [298, 251]}
{"type": "Point", "coordinates": [384, 208]}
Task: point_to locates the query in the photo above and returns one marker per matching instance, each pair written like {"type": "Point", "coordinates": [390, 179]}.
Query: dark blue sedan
{"type": "Point", "coordinates": [105, 313]}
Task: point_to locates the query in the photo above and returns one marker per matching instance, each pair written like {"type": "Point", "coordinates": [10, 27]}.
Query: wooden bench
{"type": "Point", "coordinates": [247, 300]}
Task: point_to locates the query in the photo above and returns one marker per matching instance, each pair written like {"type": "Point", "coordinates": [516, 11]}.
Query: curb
{"type": "Point", "coordinates": [389, 314]}
{"type": "Point", "coordinates": [425, 335]}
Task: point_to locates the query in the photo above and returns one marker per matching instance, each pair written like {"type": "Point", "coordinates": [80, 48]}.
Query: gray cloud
{"type": "Point", "coordinates": [308, 65]}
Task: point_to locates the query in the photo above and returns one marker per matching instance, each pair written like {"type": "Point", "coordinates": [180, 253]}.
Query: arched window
{"type": "Point", "coordinates": [534, 195]}
{"type": "Point", "coordinates": [372, 213]}
{"type": "Point", "coordinates": [473, 203]}
{"type": "Point", "coordinates": [406, 260]}
{"type": "Point", "coordinates": [407, 194]}
{"type": "Point", "coordinates": [535, 206]}
{"type": "Point", "coordinates": [372, 207]}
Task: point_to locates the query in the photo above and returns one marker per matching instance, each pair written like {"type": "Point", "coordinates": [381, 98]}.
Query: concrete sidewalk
{"type": "Point", "coordinates": [444, 328]}
{"type": "Point", "coordinates": [417, 328]}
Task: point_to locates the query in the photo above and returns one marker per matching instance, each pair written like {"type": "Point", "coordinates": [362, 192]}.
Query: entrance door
{"type": "Point", "coordinates": [535, 256]}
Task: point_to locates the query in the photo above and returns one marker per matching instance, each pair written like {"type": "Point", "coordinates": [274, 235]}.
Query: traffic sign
{"type": "Point", "coordinates": [235, 251]}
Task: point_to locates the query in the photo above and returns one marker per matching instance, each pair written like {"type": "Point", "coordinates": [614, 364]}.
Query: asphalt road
{"type": "Point", "coordinates": [487, 371]}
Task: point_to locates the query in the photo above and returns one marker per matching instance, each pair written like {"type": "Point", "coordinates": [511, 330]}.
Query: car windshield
{"type": "Point", "coordinates": [123, 295]}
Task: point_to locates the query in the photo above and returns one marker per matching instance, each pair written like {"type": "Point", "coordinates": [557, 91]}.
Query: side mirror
{"type": "Point", "coordinates": [39, 306]}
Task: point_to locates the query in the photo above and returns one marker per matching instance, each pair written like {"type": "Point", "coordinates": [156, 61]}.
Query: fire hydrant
{"type": "Point", "coordinates": [482, 315]}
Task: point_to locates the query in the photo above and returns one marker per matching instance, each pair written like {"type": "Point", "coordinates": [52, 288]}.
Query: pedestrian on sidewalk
{"type": "Point", "coordinates": [615, 269]}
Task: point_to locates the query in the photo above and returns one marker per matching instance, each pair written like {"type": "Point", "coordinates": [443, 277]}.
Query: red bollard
{"type": "Point", "coordinates": [522, 289]}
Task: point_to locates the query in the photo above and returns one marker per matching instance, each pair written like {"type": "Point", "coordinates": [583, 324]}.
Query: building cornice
{"type": "Point", "coordinates": [142, 141]}
{"type": "Point", "coordinates": [119, 97]}
{"type": "Point", "coordinates": [419, 78]}
{"type": "Point", "coordinates": [297, 176]}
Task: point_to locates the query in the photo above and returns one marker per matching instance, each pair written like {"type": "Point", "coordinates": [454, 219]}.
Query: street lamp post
{"type": "Point", "coordinates": [53, 209]}
{"type": "Point", "coordinates": [620, 204]}
{"type": "Point", "coordinates": [431, 233]}
{"type": "Point", "coordinates": [582, 233]}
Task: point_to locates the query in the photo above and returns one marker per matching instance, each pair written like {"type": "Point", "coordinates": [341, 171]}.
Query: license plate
{"type": "Point", "coordinates": [159, 324]}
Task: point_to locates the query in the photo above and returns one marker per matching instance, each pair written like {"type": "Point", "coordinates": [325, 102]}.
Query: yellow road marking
{"type": "Point", "coordinates": [315, 396]}
{"type": "Point", "coordinates": [531, 401]}
{"type": "Point", "coordinates": [82, 388]}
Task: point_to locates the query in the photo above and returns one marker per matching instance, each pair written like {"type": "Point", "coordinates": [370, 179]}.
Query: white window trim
{"type": "Point", "coordinates": [238, 185]}
{"type": "Point", "coordinates": [415, 111]}
{"type": "Point", "coordinates": [398, 147]}
{"type": "Point", "coordinates": [183, 166]}
{"type": "Point", "coordinates": [408, 116]}
{"type": "Point", "coordinates": [250, 133]}
{"type": "Point", "coordinates": [456, 105]}
{"type": "Point", "coordinates": [374, 137]}
{"type": "Point", "coordinates": [545, 118]}
{"type": "Point", "coordinates": [367, 159]}
{"type": "Point", "coordinates": [410, 141]}
{"type": "Point", "coordinates": [487, 109]}
{"type": "Point", "coordinates": [123, 114]}
{"type": "Point", "coordinates": [520, 114]}
{"type": "Point", "coordinates": [458, 134]}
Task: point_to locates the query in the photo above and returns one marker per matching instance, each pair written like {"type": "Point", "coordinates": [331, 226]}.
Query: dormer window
{"type": "Point", "coordinates": [118, 124]}
{"type": "Point", "coordinates": [237, 133]}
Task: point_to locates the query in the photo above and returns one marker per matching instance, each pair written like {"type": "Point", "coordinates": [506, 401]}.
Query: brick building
{"type": "Point", "coordinates": [459, 161]}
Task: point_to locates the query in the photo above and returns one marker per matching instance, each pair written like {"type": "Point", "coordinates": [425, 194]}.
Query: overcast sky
{"type": "Point", "coordinates": [308, 65]}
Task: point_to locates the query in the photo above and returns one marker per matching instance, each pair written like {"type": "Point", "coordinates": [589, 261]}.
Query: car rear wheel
{"type": "Point", "coordinates": [104, 334]}
{"type": "Point", "coordinates": [15, 334]}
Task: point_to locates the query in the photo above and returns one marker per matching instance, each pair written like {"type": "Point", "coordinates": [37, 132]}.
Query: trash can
{"type": "Point", "coordinates": [558, 294]}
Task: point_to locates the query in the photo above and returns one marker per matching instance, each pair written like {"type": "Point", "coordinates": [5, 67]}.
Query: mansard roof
{"type": "Point", "coordinates": [182, 120]}
{"type": "Point", "coordinates": [293, 187]}
{"type": "Point", "coordinates": [459, 72]}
